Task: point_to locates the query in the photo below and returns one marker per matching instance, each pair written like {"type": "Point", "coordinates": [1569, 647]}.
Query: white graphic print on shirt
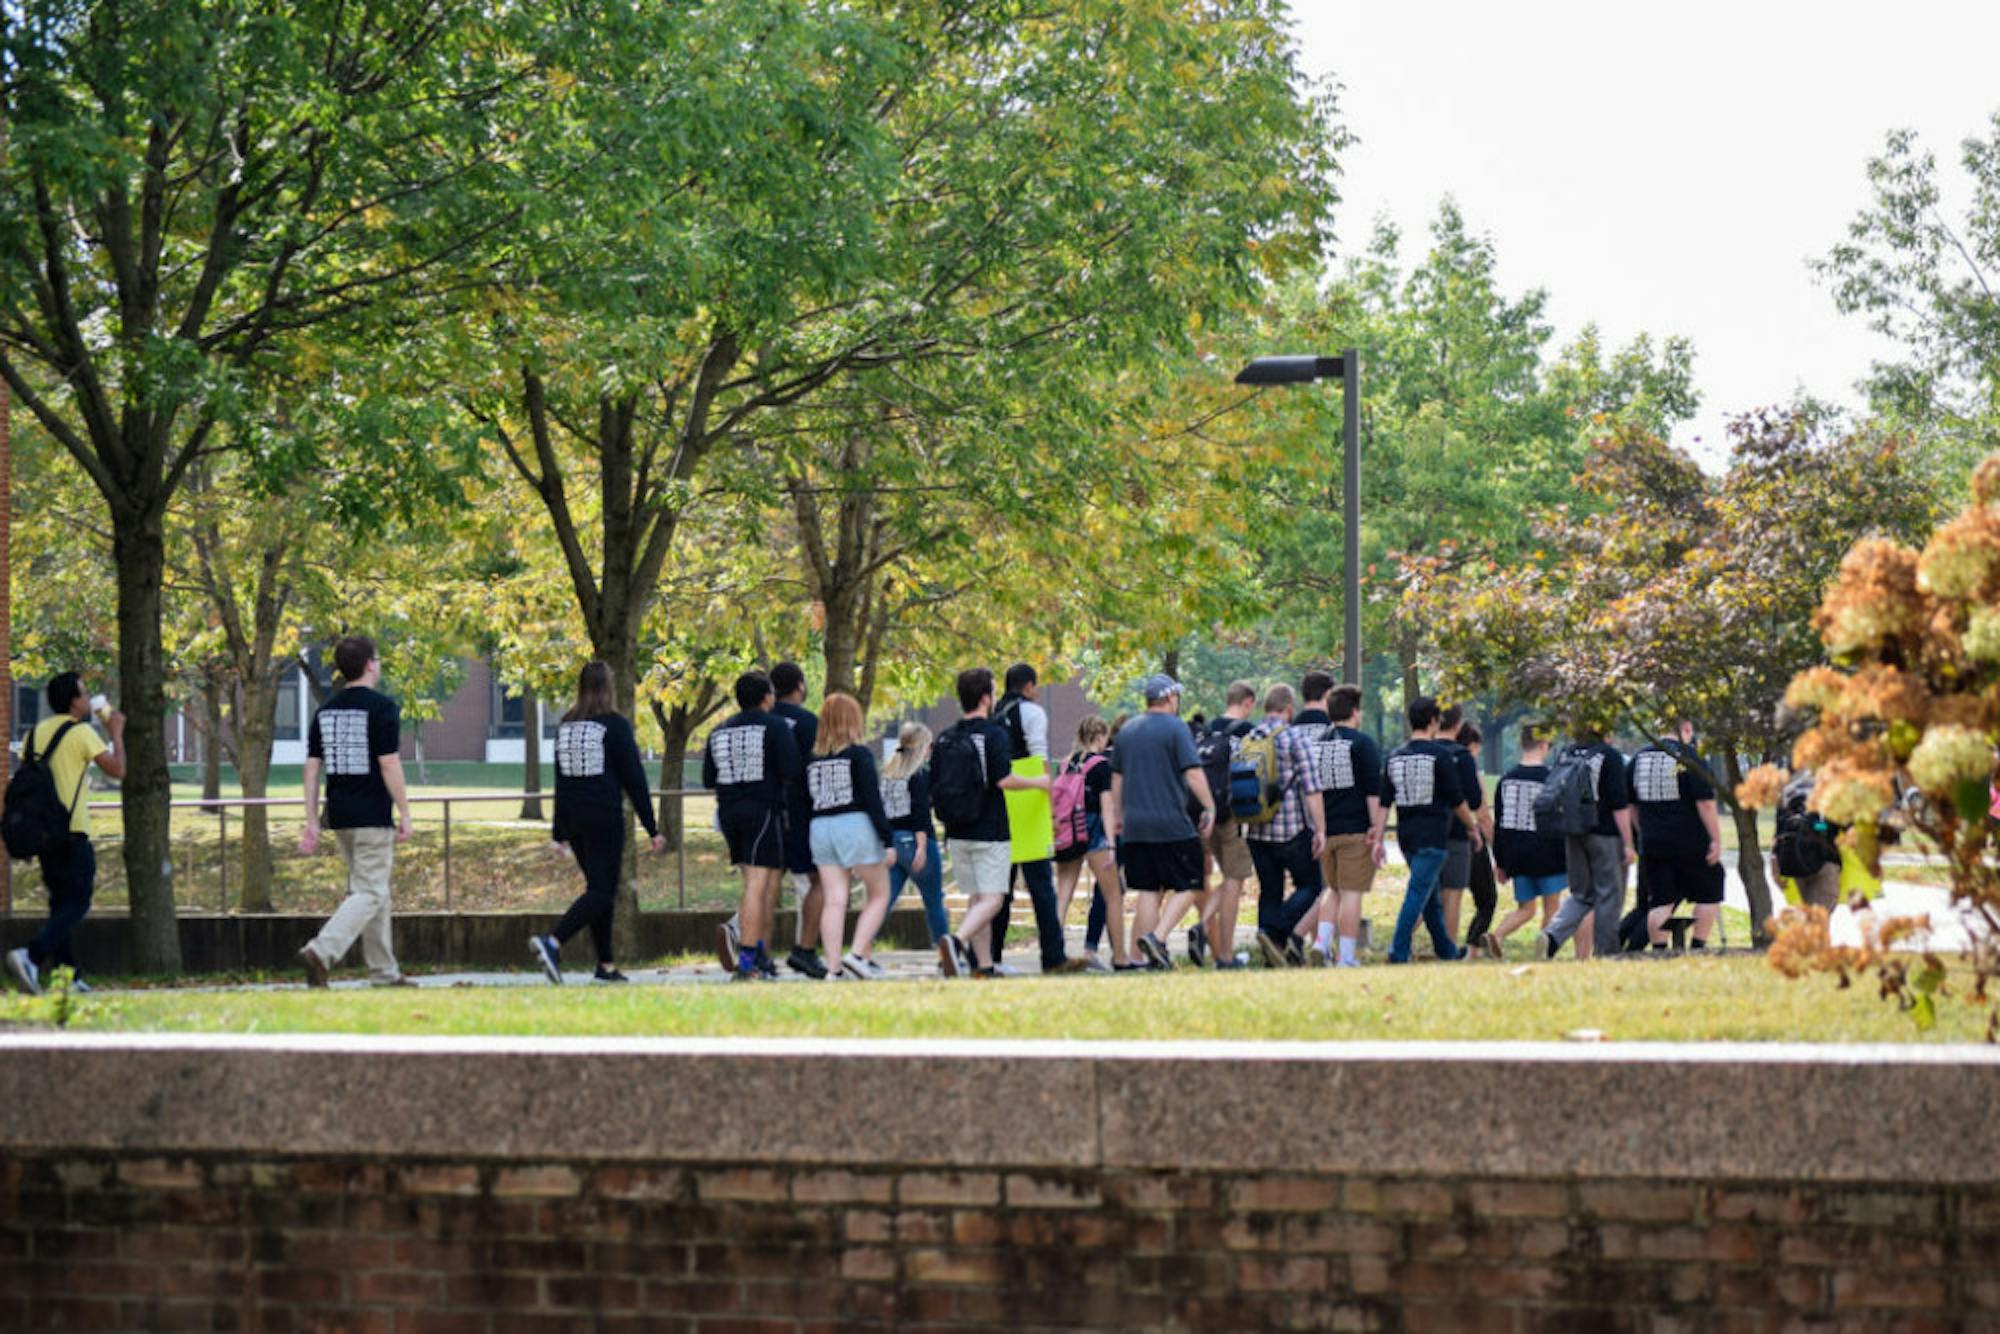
{"type": "Point", "coordinates": [1414, 778]}
{"type": "Point", "coordinates": [896, 798]}
{"type": "Point", "coordinates": [739, 755]}
{"type": "Point", "coordinates": [831, 782]}
{"type": "Point", "coordinates": [1656, 776]}
{"type": "Point", "coordinates": [1333, 763]}
{"type": "Point", "coordinates": [1517, 800]}
{"type": "Point", "coordinates": [580, 750]}
{"type": "Point", "coordinates": [343, 741]}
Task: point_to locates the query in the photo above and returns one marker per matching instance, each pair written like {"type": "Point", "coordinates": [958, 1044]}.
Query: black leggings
{"type": "Point", "coordinates": [600, 851]}
{"type": "Point", "coordinates": [1485, 896]}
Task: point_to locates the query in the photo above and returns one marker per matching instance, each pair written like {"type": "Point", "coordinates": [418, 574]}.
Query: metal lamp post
{"type": "Point", "coordinates": [1347, 367]}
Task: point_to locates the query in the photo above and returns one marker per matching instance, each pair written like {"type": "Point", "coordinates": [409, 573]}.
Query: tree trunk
{"type": "Point", "coordinates": [618, 647]}
{"type": "Point", "coordinates": [531, 755]}
{"type": "Point", "coordinates": [1170, 662]}
{"type": "Point", "coordinates": [211, 739]}
{"type": "Point", "coordinates": [138, 547]}
{"type": "Point", "coordinates": [676, 728]}
{"type": "Point", "coordinates": [842, 640]}
{"type": "Point", "coordinates": [1406, 652]}
{"type": "Point", "coordinates": [255, 726]}
{"type": "Point", "coordinates": [1749, 853]}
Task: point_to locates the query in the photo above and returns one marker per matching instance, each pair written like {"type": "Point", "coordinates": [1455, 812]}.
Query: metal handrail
{"type": "Point", "coordinates": [221, 806]}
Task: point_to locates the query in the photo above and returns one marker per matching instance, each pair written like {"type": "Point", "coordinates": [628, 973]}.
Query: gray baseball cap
{"type": "Point", "coordinates": [1159, 686]}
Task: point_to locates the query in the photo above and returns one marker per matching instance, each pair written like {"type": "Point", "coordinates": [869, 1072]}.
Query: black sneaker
{"type": "Point", "coordinates": [1230, 965]}
{"type": "Point", "coordinates": [1197, 945]}
{"type": "Point", "coordinates": [806, 962]}
{"type": "Point", "coordinates": [766, 970]}
{"type": "Point", "coordinates": [1156, 953]}
{"type": "Point", "coordinates": [604, 974]}
{"type": "Point", "coordinates": [1295, 952]}
{"type": "Point", "coordinates": [951, 957]}
{"type": "Point", "coordinates": [1131, 967]}
{"type": "Point", "coordinates": [549, 955]}
{"type": "Point", "coordinates": [1273, 952]}
{"type": "Point", "coordinates": [1550, 946]}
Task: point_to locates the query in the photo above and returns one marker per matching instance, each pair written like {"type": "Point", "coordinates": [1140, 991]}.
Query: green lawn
{"type": "Point", "coordinates": [1737, 998]}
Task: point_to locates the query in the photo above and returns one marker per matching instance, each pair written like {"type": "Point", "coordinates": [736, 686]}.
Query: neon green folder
{"type": "Point", "coordinates": [1031, 821]}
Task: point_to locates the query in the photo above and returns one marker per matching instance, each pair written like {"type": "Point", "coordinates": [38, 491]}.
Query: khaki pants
{"type": "Point", "coordinates": [365, 911]}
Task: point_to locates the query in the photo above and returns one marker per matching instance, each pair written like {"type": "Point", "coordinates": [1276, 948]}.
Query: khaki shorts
{"type": "Point", "coordinates": [1348, 864]}
{"type": "Point", "coordinates": [982, 868]}
{"type": "Point", "coordinates": [1232, 854]}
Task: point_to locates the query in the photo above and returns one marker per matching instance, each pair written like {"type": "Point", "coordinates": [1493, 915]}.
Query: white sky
{"type": "Point", "coordinates": [1658, 168]}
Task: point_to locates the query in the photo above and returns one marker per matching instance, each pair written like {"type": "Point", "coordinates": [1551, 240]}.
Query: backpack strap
{"type": "Point", "coordinates": [55, 744]}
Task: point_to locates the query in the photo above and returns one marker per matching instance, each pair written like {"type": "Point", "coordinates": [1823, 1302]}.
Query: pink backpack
{"type": "Point", "coordinates": [1066, 800]}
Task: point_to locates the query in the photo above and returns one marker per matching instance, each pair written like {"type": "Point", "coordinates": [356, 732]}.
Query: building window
{"type": "Point", "coordinates": [291, 691]}
{"type": "Point", "coordinates": [507, 713]}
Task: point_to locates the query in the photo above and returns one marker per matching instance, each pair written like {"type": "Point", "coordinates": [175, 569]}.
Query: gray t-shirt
{"type": "Point", "coordinates": [1152, 752]}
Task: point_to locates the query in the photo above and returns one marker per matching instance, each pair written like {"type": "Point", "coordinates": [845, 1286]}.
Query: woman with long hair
{"type": "Point", "coordinates": [906, 796]}
{"type": "Point", "coordinates": [849, 834]}
{"type": "Point", "coordinates": [597, 768]}
{"type": "Point", "coordinates": [1089, 846]}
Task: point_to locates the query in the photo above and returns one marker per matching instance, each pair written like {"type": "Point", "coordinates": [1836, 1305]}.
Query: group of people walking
{"type": "Point", "coordinates": [1282, 787]}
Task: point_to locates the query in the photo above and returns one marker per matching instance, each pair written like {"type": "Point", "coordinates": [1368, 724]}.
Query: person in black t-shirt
{"type": "Point", "coordinates": [751, 763]}
{"type": "Point", "coordinates": [1420, 781]}
{"type": "Point", "coordinates": [980, 853]}
{"type": "Point", "coordinates": [1680, 836]}
{"type": "Point", "coordinates": [1597, 860]}
{"type": "Point", "coordinates": [851, 837]}
{"type": "Point", "coordinates": [1456, 877]}
{"type": "Point", "coordinates": [906, 796]}
{"type": "Point", "coordinates": [1536, 863]}
{"type": "Point", "coordinates": [355, 739]}
{"type": "Point", "coordinates": [1349, 765]}
{"type": "Point", "coordinates": [1090, 763]}
{"type": "Point", "coordinates": [597, 771]}
{"type": "Point", "coordinates": [788, 681]}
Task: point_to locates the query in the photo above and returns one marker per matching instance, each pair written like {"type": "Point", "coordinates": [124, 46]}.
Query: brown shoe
{"type": "Point", "coordinates": [1070, 965]}
{"type": "Point", "coordinates": [315, 968]}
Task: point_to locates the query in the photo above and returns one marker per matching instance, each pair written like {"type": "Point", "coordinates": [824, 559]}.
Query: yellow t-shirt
{"type": "Point", "coordinates": [67, 765]}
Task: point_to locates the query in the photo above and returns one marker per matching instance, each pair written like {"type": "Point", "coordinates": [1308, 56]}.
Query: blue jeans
{"type": "Point", "coordinates": [1421, 900]}
{"type": "Point", "coordinates": [930, 880]}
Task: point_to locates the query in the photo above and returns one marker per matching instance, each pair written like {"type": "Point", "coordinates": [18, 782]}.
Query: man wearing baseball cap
{"type": "Point", "coordinates": [1154, 770]}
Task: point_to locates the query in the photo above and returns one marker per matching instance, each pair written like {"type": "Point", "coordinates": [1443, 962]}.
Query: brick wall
{"type": "Point", "coordinates": [102, 1242]}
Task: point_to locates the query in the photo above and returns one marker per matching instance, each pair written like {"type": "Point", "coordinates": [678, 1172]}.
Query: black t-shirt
{"type": "Point", "coordinates": [1348, 765]}
{"type": "Point", "coordinates": [1469, 786]}
{"type": "Point", "coordinates": [350, 734]}
{"type": "Point", "coordinates": [597, 764]}
{"type": "Point", "coordinates": [805, 730]}
{"type": "Point", "coordinates": [1614, 793]}
{"type": "Point", "coordinates": [846, 782]}
{"type": "Point", "coordinates": [1665, 792]}
{"type": "Point", "coordinates": [751, 760]}
{"type": "Point", "coordinates": [996, 749]}
{"type": "Point", "coordinates": [1421, 782]}
{"type": "Point", "coordinates": [1517, 847]}
{"type": "Point", "coordinates": [907, 802]}
{"type": "Point", "coordinates": [1096, 783]}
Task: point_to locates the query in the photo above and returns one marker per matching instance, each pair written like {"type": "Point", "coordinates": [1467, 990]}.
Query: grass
{"type": "Point", "coordinates": [1737, 998]}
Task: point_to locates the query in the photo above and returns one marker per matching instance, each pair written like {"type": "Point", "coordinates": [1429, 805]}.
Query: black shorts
{"type": "Point", "coordinates": [1671, 878]}
{"type": "Point", "coordinates": [755, 835]}
{"type": "Point", "coordinates": [798, 842]}
{"type": "Point", "coordinates": [1154, 867]}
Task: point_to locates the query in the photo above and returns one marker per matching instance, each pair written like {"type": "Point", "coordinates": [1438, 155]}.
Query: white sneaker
{"type": "Point", "coordinates": [1318, 957]}
{"type": "Point", "coordinates": [1004, 970]}
{"type": "Point", "coordinates": [24, 971]}
{"type": "Point", "coordinates": [876, 972]}
{"type": "Point", "coordinates": [1094, 962]}
{"type": "Point", "coordinates": [854, 966]}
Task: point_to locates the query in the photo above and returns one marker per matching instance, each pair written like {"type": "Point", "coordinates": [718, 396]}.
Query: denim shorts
{"type": "Point", "coordinates": [1094, 840]}
{"type": "Point", "coordinates": [1528, 888]}
{"type": "Point", "coordinates": [845, 840]}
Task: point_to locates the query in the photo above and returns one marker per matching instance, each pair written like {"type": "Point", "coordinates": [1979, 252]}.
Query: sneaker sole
{"type": "Point", "coordinates": [550, 968]}
{"type": "Point", "coordinates": [947, 959]}
{"type": "Point", "coordinates": [1274, 956]}
{"type": "Point", "coordinates": [1155, 954]}
{"type": "Point", "coordinates": [21, 975]}
{"type": "Point", "coordinates": [726, 952]}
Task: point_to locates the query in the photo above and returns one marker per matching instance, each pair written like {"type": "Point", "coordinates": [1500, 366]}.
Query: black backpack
{"type": "Point", "coordinates": [35, 816]}
{"type": "Point", "coordinates": [1008, 715]}
{"type": "Point", "coordinates": [958, 778]}
{"type": "Point", "coordinates": [1567, 803]}
{"type": "Point", "coordinates": [1215, 750]}
{"type": "Point", "coordinates": [1803, 843]}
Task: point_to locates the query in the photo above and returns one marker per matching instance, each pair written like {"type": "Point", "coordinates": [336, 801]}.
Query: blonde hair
{"type": "Point", "coordinates": [840, 724]}
{"type": "Point", "coordinates": [913, 742]}
{"type": "Point", "coordinates": [1087, 731]}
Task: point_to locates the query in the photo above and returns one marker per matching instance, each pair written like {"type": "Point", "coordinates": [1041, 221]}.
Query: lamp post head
{"type": "Point", "coordinates": [1291, 370]}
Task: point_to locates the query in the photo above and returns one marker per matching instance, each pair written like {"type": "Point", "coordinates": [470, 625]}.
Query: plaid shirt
{"type": "Point", "coordinates": [1295, 779]}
